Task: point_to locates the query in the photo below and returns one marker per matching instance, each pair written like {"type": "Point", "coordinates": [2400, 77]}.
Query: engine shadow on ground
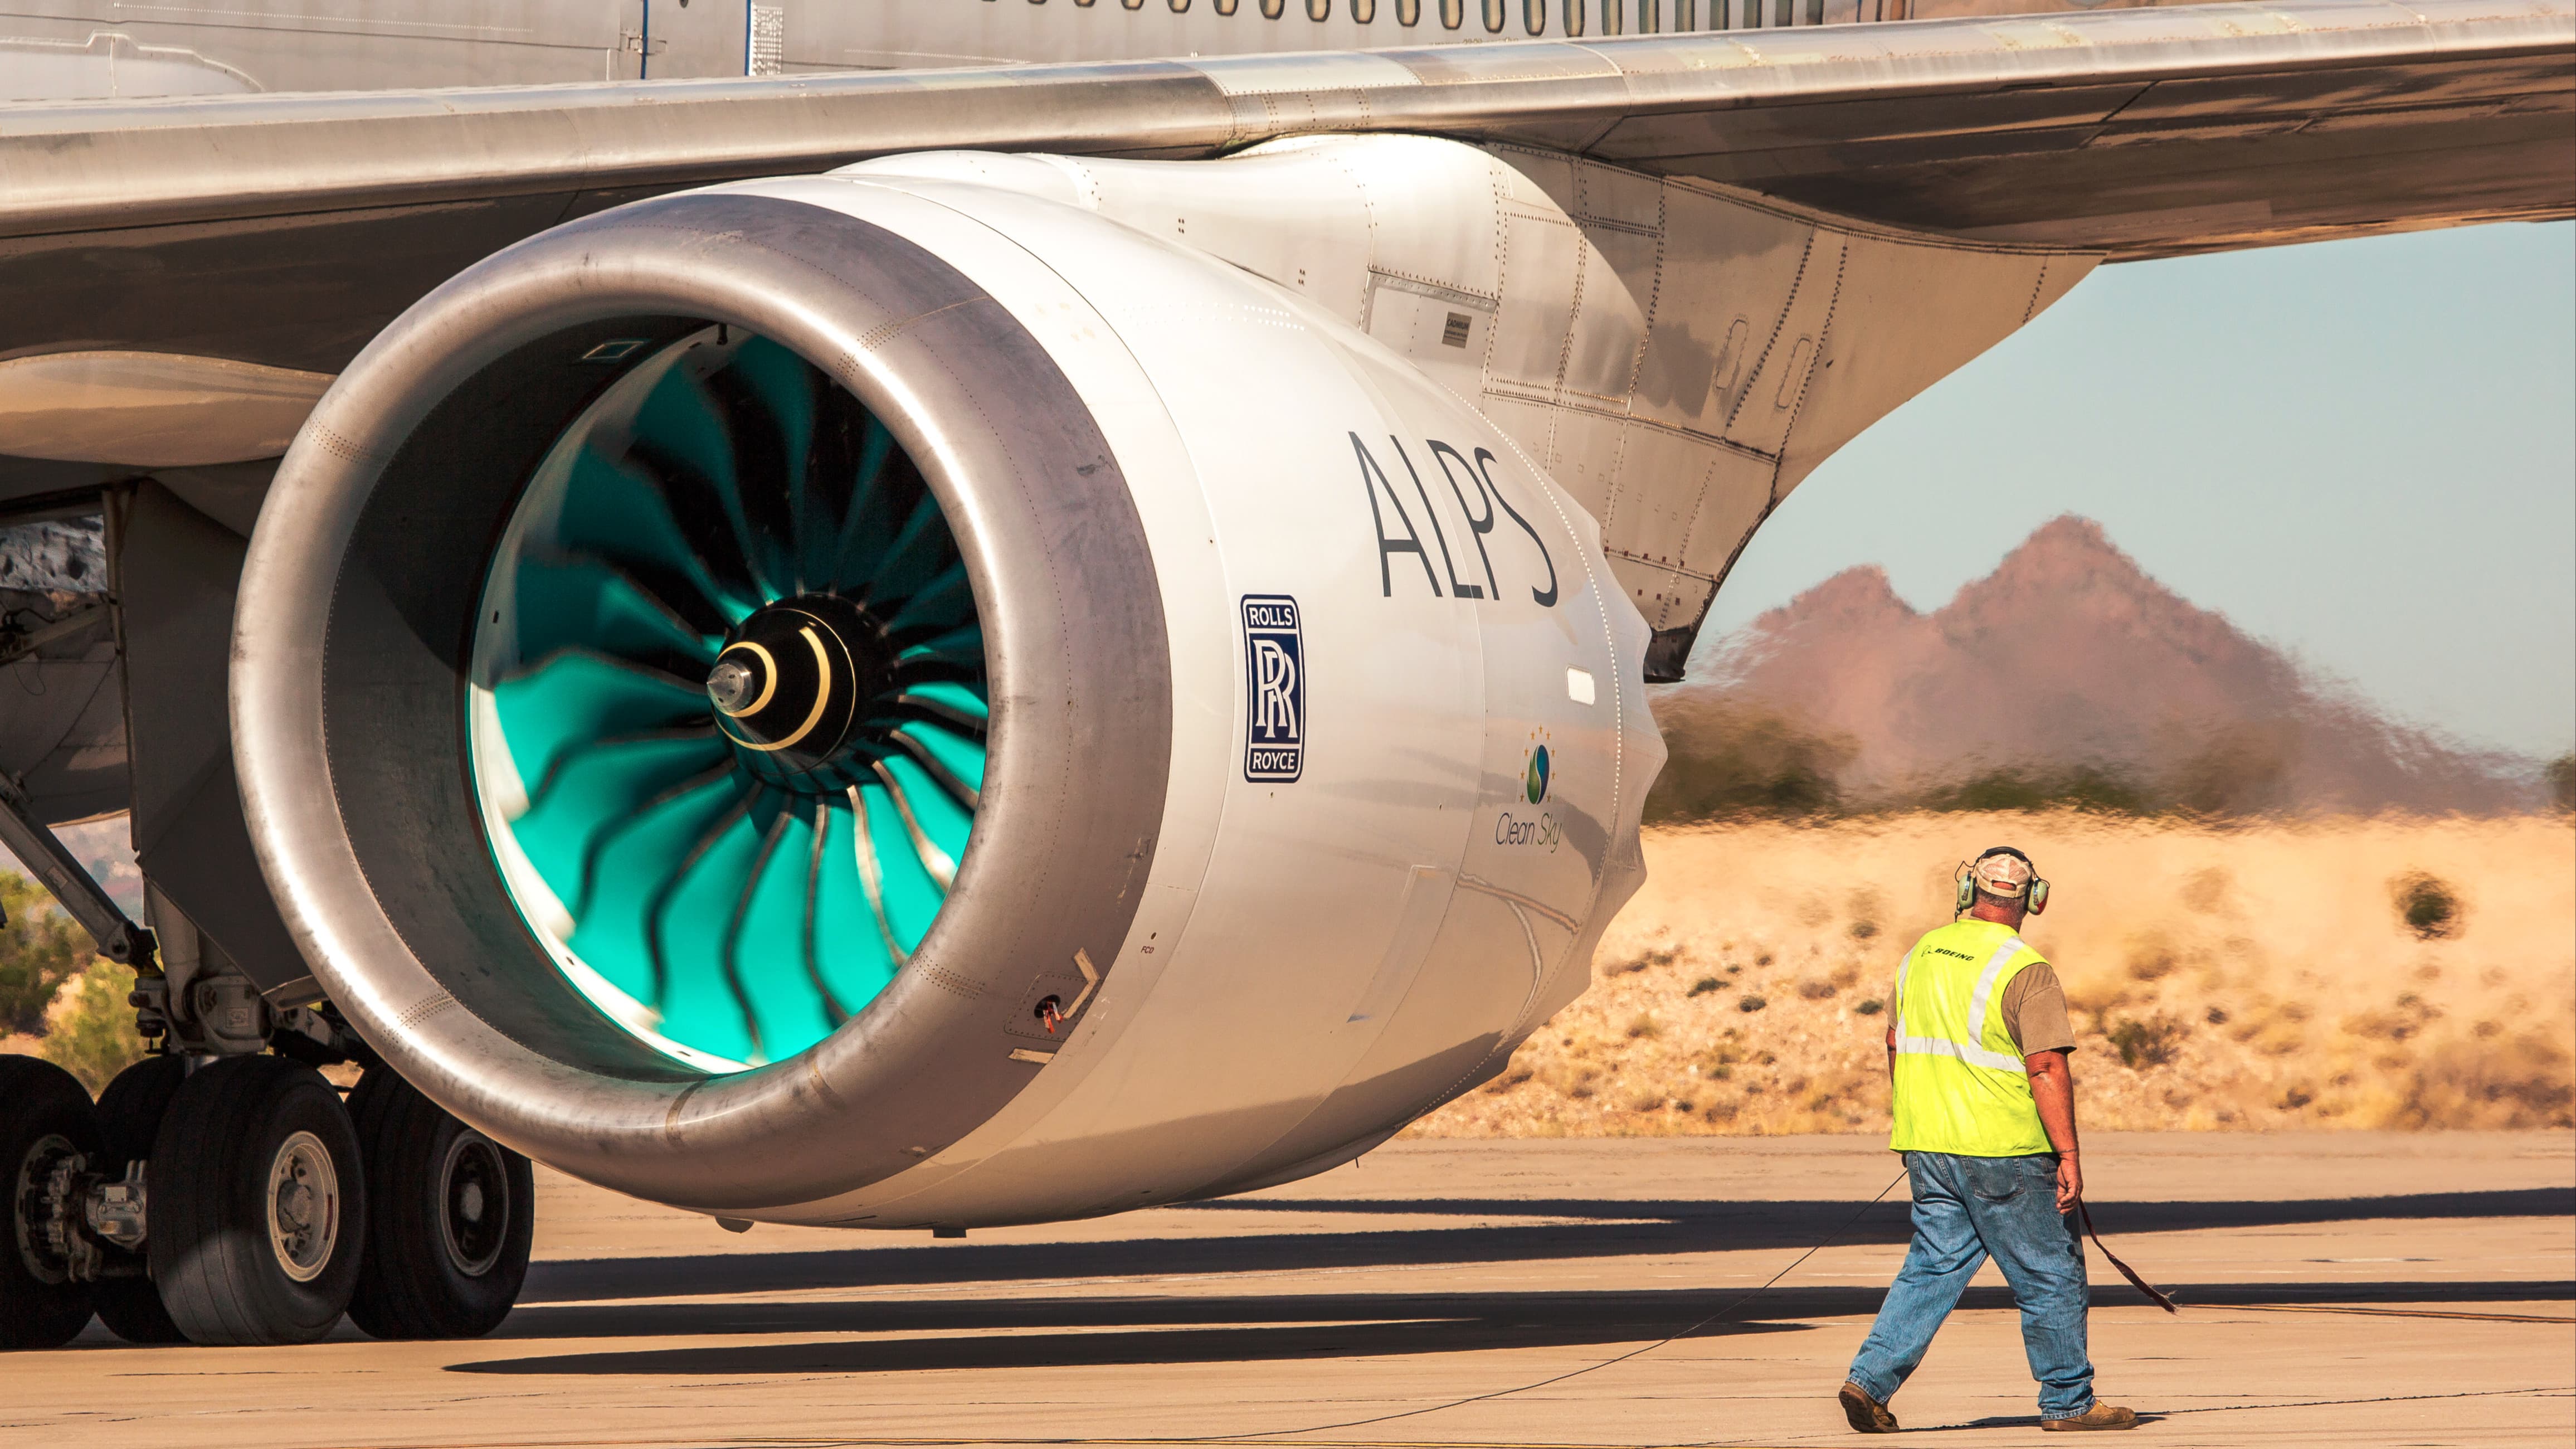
{"type": "Point", "coordinates": [1609, 1228]}
{"type": "Point", "coordinates": [1092, 1333]}
{"type": "Point", "coordinates": [1105, 1331]}
{"type": "Point", "coordinates": [1591, 1315]}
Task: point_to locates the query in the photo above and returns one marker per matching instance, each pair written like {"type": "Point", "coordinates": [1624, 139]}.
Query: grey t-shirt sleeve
{"type": "Point", "coordinates": [2035, 1011]}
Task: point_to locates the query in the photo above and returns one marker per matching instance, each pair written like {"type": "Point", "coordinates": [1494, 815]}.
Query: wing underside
{"type": "Point", "coordinates": [284, 231]}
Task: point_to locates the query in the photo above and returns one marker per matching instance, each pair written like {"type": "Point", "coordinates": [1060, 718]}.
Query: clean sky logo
{"type": "Point", "coordinates": [1274, 672]}
{"type": "Point", "coordinates": [1538, 782]}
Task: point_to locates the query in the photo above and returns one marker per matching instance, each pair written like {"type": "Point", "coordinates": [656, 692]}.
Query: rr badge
{"type": "Point", "coordinates": [1274, 671]}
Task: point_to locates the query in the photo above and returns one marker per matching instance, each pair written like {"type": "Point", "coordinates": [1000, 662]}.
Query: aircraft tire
{"type": "Point", "coordinates": [44, 1111]}
{"type": "Point", "coordinates": [259, 1204]}
{"type": "Point", "coordinates": [451, 1218]}
{"type": "Point", "coordinates": [130, 1113]}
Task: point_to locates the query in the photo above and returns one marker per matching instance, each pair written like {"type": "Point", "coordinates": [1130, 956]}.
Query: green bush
{"type": "Point", "coordinates": [2241, 769]}
{"type": "Point", "coordinates": [2091, 788]}
{"type": "Point", "coordinates": [40, 949]}
{"type": "Point", "coordinates": [93, 1038]}
{"type": "Point", "coordinates": [2426, 905]}
{"type": "Point", "coordinates": [1729, 759]}
{"type": "Point", "coordinates": [1732, 756]}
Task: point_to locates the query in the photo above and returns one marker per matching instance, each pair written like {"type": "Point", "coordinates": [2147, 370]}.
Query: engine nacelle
{"type": "Point", "coordinates": [885, 701]}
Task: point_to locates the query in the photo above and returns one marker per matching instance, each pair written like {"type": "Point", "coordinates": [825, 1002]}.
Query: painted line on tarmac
{"type": "Point", "coordinates": [2402, 1313]}
{"type": "Point", "coordinates": [2150, 1416]}
{"type": "Point", "coordinates": [1133, 1442]}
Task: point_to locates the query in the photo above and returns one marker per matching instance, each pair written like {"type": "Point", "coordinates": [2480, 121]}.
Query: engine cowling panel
{"type": "Point", "coordinates": [1313, 753]}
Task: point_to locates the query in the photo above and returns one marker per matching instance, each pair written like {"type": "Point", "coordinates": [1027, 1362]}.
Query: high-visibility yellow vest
{"type": "Point", "coordinates": [1961, 1086]}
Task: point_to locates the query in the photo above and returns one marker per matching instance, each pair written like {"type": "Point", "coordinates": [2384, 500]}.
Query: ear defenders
{"type": "Point", "coordinates": [1967, 882]}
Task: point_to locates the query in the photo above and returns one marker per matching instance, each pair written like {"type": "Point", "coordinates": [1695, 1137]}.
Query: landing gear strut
{"type": "Point", "coordinates": [129, 1116]}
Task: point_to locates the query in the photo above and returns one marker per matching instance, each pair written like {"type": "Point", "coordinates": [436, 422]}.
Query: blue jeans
{"type": "Point", "coordinates": [1965, 1210]}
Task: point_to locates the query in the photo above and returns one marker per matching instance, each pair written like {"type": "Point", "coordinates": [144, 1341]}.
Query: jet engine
{"type": "Point", "coordinates": [887, 701]}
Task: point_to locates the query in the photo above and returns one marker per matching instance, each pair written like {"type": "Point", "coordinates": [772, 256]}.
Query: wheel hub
{"type": "Point", "coordinates": [473, 1183]}
{"type": "Point", "coordinates": [304, 1207]}
{"type": "Point", "coordinates": [42, 1207]}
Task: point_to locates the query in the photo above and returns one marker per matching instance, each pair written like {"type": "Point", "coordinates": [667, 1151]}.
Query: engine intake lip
{"type": "Point", "coordinates": [351, 736]}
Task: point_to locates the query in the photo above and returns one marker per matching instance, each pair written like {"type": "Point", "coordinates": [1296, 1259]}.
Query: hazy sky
{"type": "Point", "coordinates": [2364, 451]}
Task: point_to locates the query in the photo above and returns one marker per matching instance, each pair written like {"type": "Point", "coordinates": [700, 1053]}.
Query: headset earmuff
{"type": "Point", "coordinates": [2036, 896]}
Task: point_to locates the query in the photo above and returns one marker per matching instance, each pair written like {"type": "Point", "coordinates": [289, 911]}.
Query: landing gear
{"type": "Point", "coordinates": [48, 1135]}
{"type": "Point", "coordinates": [450, 1218]}
{"type": "Point", "coordinates": [129, 1114]}
{"type": "Point", "coordinates": [271, 1207]}
{"type": "Point", "coordinates": [258, 1211]}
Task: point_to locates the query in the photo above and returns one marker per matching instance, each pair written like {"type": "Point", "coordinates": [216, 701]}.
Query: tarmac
{"type": "Point", "coordinates": [2338, 1288]}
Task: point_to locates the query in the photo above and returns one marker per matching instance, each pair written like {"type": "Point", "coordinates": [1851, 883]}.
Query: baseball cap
{"type": "Point", "coordinates": [1999, 873]}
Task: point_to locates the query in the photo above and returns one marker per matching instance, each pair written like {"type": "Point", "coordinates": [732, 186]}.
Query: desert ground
{"type": "Point", "coordinates": [2234, 977]}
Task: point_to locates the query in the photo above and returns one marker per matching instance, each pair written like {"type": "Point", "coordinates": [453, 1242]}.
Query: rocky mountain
{"type": "Point", "coordinates": [2066, 670]}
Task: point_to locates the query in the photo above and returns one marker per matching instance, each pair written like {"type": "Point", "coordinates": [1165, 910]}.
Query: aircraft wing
{"type": "Point", "coordinates": [287, 229]}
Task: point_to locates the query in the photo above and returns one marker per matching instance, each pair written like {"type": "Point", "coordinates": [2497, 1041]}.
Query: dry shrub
{"type": "Point", "coordinates": [1653, 956]}
{"type": "Point", "coordinates": [2206, 892]}
{"type": "Point", "coordinates": [2152, 957]}
{"type": "Point", "coordinates": [2520, 1081]}
{"type": "Point", "coordinates": [2151, 1042]}
{"type": "Point", "coordinates": [2406, 1017]}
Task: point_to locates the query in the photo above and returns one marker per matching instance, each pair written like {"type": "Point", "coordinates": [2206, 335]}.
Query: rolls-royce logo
{"type": "Point", "coordinates": [1274, 671]}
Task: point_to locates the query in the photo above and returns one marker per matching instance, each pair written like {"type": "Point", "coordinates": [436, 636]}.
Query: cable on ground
{"type": "Point", "coordinates": [1729, 1307]}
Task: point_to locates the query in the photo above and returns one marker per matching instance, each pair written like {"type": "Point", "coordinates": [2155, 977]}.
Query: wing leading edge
{"type": "Point", "coordinates": [284, 230]}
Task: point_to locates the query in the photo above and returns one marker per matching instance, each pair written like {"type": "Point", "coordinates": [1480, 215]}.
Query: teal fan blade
{"type": "Point", "coordinates": [738, 712]}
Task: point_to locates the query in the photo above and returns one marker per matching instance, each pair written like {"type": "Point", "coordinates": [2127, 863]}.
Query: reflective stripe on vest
{"type": "Point", "coordinates": [1972, 1052]}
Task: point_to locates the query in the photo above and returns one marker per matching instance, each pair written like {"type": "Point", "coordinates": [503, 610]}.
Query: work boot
{"type": "Point", "coordinates": [2100, 1416]}
{"type": "Point", "coordinates": [1867, 1415]}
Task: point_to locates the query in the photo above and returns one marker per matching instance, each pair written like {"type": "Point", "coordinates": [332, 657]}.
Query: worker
{"type": "Point", "coordinates": [1977, 1040]}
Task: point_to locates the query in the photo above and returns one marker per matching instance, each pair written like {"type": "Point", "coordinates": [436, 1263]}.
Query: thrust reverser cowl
{"type": "Point", "coordinates": [1220, 744]}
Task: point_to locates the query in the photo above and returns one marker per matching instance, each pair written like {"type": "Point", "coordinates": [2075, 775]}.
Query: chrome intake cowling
{"type": "Point", "coordinates": [889, 701]}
